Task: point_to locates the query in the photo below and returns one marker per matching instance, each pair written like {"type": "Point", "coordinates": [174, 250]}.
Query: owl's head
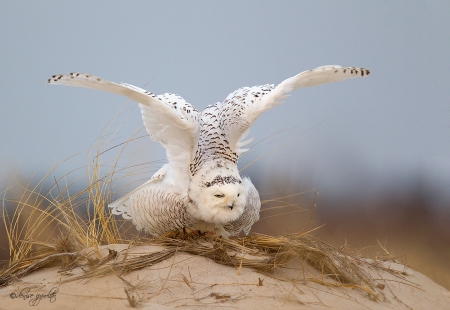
{"type": "Point", "coordinates": [217, 197]}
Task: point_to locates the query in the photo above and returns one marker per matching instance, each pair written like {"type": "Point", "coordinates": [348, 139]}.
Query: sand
{"type": "Point", "coordinates": [193, 282]}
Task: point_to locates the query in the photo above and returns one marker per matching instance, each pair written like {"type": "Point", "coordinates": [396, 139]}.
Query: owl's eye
{"type": "Point", "coordinates": [219, 195]}
{"type": "Point", "coordinates": [239, 195]}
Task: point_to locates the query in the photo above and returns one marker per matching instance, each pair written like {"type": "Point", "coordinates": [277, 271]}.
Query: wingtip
{"type": "Point", "coordinates": [356, 71]}
{"type": "Point", "coordinates": [55, 78]}
{"type": "Point", "coordinates": [364, 72]}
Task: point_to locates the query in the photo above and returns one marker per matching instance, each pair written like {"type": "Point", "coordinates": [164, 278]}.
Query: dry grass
{"type": "Point", "coordinates": [266, 254]}
{"type": "Point", "coordinates": [57, 212]}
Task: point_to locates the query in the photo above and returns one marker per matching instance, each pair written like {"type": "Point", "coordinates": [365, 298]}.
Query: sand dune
{"type": "Point", "coordinates": [194, 282]}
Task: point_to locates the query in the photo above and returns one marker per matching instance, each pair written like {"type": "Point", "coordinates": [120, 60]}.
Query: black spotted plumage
{"type": "Point", "coordinates": [203, 149]}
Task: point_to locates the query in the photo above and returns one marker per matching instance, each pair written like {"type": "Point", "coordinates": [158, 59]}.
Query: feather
{"type": "Point", "coordinates": [200, 187]}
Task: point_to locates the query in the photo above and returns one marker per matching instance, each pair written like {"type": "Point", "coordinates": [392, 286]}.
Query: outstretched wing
{"type": "Point", "coordinates": [242, 107]}
{"type": "Point", "coordinates": [168, 118]}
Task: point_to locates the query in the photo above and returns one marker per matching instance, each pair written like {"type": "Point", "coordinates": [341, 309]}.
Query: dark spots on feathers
{"type": "Point", "coordinates": [220, 180]}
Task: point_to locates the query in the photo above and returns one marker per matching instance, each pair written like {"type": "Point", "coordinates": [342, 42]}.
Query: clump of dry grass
{"type": "Point", "coordinates": [266, 254]}
{"type": "Point", "coordinates": [36, 212]}
{"type": "Point", "coordinates": [33, 218]}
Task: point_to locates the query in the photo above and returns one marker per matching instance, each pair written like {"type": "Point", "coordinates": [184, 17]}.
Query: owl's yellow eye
{"type": "Point", "coordinates": [219, 195]}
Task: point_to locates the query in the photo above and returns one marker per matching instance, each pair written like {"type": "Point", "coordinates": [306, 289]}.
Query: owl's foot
{"type": "Point", "coordinates": [207, 234]}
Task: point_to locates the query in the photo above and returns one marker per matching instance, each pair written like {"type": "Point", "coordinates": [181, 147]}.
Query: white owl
{"type": "Point", "coordinates": [200, 187]}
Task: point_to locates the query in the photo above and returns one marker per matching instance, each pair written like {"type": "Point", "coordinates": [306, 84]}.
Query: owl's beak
{"type": "Point", "coordinates": [231, 206]}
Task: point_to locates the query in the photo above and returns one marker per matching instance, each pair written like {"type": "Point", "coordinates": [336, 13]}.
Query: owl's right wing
{"type": "Point", "coordinates": [168, 118]}
{"type": "Point", "coordinates": [242, 107]}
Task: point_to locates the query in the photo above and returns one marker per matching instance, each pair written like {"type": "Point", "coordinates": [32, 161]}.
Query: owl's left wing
{"type": "Point", "coordinates": [242, 107]}
{"type": "Point", "coordinates": [168, 118]}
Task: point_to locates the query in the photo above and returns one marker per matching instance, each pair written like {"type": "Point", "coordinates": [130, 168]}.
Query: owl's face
{"type": "Point", "coordinates": [220, 200]}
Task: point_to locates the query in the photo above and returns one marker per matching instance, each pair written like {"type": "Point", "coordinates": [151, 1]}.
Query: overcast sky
{"type": "Point", "coordinates": [394, 122]}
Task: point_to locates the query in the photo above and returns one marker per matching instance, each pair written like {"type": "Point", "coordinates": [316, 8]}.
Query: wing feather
{"type": "Point", "coordinates": [168, 118]}
{"type": "Point", "coordinates": [242, 107]}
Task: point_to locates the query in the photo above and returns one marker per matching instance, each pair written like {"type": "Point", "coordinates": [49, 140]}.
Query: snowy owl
{"type": "Point", "coordinates": [200, 187]}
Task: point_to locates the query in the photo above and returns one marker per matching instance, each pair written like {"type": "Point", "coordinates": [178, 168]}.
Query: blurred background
{"type": "Point", "coordinates": [377, 149]}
